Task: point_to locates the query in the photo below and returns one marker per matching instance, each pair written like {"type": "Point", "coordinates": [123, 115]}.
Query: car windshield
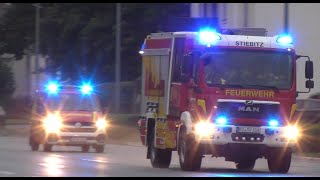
{"type": "Point", "coordinates": [73, 102]}
{"type": "Point", "coordinates": [248, 68]}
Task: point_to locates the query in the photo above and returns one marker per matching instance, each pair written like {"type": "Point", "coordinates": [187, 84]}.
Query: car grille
{"type": "Point", "coordinates": [80, 130]}
{"type": "Point", "coordinates": [73, 123]}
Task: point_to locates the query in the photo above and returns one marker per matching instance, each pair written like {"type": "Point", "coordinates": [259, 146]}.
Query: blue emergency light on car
{"type": "Point", "coordinates": [208, 37]}
{"type": "Point", "coordinates": [52, 87]}
{"type": "Point", "coordinates": [285, 39]}
{"type": "Point", "coordinates": [86, 88]}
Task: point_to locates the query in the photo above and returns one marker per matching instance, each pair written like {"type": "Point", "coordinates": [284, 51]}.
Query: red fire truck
{"type": "Point", "coordinates": [230, 95]}
{"type": "Point", "coordinates": [69, 116]}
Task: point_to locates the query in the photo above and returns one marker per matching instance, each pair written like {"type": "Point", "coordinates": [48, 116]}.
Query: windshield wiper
{"type": "Point", "coordinates": [262, 86]}
{"type": "Point", "coordinates": [222, 86]}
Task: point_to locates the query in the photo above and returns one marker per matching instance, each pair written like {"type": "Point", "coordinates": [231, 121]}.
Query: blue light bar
{"type": "Point", "coordinates": [285, 39]}
{"type": "Point", "coordinates": [273, 122]}
{"type": "Point", "coordinates": [52, 87]}
{"type": "Point", "coordinates": [86, 89]}
{"type": "Point", "coordinates": [221, 120]}
{"type": "Point", "coordinates": [208, 37]}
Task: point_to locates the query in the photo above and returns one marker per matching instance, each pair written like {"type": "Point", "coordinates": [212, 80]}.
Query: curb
{"type": "Point", "coordinates": [306, 158]}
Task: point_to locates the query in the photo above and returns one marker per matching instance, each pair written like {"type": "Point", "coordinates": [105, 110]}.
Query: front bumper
{"type": "Point", "coordinates": [76, 138]}
{"type": "Point", "coordinates": [227, 134]}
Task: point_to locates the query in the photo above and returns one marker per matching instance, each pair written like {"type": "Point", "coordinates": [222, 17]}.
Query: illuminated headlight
{"type": "Point", "coordinates": [221, 120]}
{"type": "Point", "coordinates": [273, 122]}
{"type": "Point", "coordinates": [52, 123]}
{"type": "Point", "coordinates": [291, 132]}
{"type": "Point", "coordinates": [101, 123]}
{"type": "Point", "coordinates": [204, 128]}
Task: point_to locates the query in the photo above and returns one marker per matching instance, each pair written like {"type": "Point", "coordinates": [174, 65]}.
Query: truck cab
{"type": "Point", "coordinates": [67, 116]}
{"type": "Point", "coordinates": [231, 96]}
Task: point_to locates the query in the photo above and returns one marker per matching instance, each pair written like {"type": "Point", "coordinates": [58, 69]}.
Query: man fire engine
{"type": "Point", "coordinates": [67, 115]}
{"type": "Point", "coordinates": [210, 93]}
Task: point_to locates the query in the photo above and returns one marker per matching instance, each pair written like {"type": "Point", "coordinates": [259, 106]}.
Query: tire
{"type": "Point", "coordinates": [100, 148]}
{"type": "Point", "coordinates": [279, 161]}
{"type": "Point", "coordinates": [190, 157]}
{"type": "Point", "coordinates": [34, 145]}
{"type": "Point", "coordinates": [246, 165]}
{"type": "Point", "coordinates": [85, 148]}
{"type": "Point", "coordinates": [159, 158]}
{"type": "Point", "coordinates": [47, 148]}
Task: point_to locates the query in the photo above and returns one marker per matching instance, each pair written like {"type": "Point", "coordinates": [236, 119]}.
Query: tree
{"type": "Point", "coordinates": [79, 38]}
{"type": "Point", "coordinates": [6, 81]}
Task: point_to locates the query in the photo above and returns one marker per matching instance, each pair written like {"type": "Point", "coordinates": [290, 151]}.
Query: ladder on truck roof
{"type": "Point", "coordinates": [246, 31]}
{"type": "Point", "coordinates": [229, 31]}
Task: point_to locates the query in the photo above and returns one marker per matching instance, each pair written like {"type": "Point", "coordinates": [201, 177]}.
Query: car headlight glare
{"type": "Point", "coordinates": [291, 132]}
{"type": "Point", "coordinates": [101, 123]}
{"type": "Point", "coordinates": [52, 123]}
{"type": "Point", "coordinates": [204, 128]}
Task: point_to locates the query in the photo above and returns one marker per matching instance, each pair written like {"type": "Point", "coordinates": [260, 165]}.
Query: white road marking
{"type": "Point", "coordinates": [7, 172]}
{"type": "Point", "coordinates": [95, 160]}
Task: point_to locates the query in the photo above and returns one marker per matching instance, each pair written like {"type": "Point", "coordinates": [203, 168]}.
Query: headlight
{"type": "Point", "coordinates": [204, 128]}
{"type": "Point", "coordinates": [291, 132]}
{"type": "Point", "coordinates": [101, 123]}
{"type": "Point", "coordinates": [52, 123]}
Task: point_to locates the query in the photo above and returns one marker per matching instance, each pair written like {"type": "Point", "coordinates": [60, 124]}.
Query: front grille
{"type": "Point", "coordinates": [83, 130]}
{"type": "Point", "coordinates": [73, 123]}
{"type": "Point", "coordinates": [258, 112]}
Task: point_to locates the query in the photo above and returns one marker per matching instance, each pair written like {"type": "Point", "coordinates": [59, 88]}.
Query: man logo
{"type": "Point", "coordinates": [249, 109]}
{"type": "Point", "coordinates": [249, 102]}
{"type": "Point", "coordinates": [78, 124]}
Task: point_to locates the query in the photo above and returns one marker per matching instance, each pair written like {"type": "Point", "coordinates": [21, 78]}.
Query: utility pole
{"type": "Point", "coordinates": [286, 17]}
{"type": "Point", "coordinates": [37, 31]}
{"type": "Point", "coordinates": [118, 57]}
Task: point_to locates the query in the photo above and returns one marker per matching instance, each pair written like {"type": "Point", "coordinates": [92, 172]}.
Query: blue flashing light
{"type": "Point", "coordinates": [52, 87]}
{"type": "Point", "coordinates": [208, 37]}
{"type": "Point", "coordinates": [221, 120]}
{"type": "Point", "coordinates": [273, 122]}
{"type": "Point", "coordinates": [285, 39]}
{"type": "Point", "coordinates": [86, 89]}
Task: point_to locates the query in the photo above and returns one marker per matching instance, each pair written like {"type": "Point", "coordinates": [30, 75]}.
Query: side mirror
{"type": "Point", "coordinates": [309, 70]}
{"type": "Point", "coordinates": [309, 84]}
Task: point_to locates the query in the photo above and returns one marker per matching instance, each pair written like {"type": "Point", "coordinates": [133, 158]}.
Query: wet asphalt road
{"type": "Point", "coordinates": [16, 159]}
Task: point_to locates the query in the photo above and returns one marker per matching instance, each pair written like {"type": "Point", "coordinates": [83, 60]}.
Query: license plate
{"type": "Point", "coordinates": [78, 139]}
{"type": "Point", "coordinates": [248, 129]}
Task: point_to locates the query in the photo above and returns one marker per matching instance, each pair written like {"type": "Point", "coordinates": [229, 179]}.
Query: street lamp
{"type": "Point", "coordinates": [118, 58]}
{"type": "Point", "coordinates": [37, 30]}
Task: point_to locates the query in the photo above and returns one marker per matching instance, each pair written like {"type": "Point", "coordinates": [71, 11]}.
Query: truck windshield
{"type": "Point", "coordinates": [73, 102]}
{"type": "Point", "coordinates": [248, 68]}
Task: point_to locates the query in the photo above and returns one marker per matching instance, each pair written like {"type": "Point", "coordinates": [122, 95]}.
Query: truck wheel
{"type": "Point", "coordinates": [190, 157]}
{"type": "Point", "coordinates": [160, 158]}
{"type": "Point", "coordinates": [99, 148]}
{"type": "Point", "coordinates": [279, 161]}
{"type": "Point", "coordinates": [34, 145]}
{"type": "Point", "coordinates": [47, 148]}
{"type": "Point", "coordinates": [246, 165]}
{"type": "Point", "coordinates": [85, 148]}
